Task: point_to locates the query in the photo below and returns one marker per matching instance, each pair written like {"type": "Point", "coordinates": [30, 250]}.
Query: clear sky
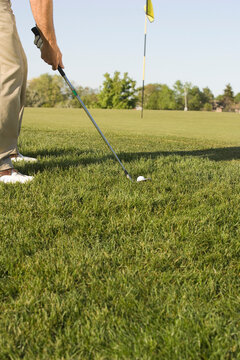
{"type": "Point", "coordinates": [191, 40]}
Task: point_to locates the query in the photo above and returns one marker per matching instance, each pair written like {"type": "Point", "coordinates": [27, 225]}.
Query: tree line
{"type": "Point", "coordinates": [119, 92]}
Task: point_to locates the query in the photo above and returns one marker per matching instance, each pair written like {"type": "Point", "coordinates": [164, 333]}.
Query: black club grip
{"type": "Point", "coordinates": [36, 33]}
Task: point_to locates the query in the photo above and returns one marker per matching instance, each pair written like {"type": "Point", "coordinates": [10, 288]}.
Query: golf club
{"type": "Point", "coordinates": [62, 73]}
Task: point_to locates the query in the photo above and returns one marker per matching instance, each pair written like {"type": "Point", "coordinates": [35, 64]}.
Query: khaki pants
{"type": "Point", "coordinates": [13, 78]}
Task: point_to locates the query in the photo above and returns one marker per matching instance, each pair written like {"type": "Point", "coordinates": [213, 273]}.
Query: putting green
{"type": "Point", "coordinates": [222, 127]}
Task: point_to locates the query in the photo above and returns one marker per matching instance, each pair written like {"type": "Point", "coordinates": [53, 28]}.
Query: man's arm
{"type": "Point", "coordinates": [43, 14]}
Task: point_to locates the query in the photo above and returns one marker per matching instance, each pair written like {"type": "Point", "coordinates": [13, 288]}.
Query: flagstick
{"type": "Point", "coordinates": [144, 63]}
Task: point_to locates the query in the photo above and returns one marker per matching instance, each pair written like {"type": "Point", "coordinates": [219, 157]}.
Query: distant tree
{"type": "Point", "coordinates": [207, 107]}
{"type": "Point", "coordinates": [149, 90]}
{"type": "Point", "coordinates": [166, 98]}
{"type": "Point", "coordinates": [228, 92]}
{"type": "Point", "coordinates": [118, 93]}
{"type": "Point", "coordinates": [178, 90]}
{"type": "Point", "coordinates": [162, 98]}
{"type": "Point", "coordinates": [208, 96]}
{"type": "Point", "coordinates": [195, 99]}
{"type": "Point", "coordinates": [107, 93]}
{"type": "Point", "coordinates": [89, 97]}
{"type": "Point", "coordinates": [237, 99]}
{"type": "Point", "coordinates": [228, 98]}
{"type": "Point", "coordinates": [219, 101]}
{"type": "Point", "coordinates": [207, 99]}
{"type": "Point", "coordinates": [51, 91]}
{"type": "Point", "coordinates": [151, 102]}
{"type": "Point", "coordinates": [121, 93]}
{"type": "Point", "coordinates": [45, 91]}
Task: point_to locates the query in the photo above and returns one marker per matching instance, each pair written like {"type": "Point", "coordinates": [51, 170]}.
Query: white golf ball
{"type": "Point", "coordinates": [141, 178]}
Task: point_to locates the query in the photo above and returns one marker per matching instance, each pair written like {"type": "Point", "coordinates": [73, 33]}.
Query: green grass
{"type": "Point", "coordinates": [93, 266]}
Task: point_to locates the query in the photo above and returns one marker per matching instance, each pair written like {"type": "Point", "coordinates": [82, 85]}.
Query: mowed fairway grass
{"type": "Point", "coordinates": [93, 266]}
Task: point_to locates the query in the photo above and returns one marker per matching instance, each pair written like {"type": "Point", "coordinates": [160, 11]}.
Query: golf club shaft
{"type": "Point", "coordinates": [92, 120]}
{"type": "Point", "coordinates": [62, 73]}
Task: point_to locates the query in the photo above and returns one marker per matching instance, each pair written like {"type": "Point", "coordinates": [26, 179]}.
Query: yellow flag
{"type": "Point", "coordinates": [149, 11]}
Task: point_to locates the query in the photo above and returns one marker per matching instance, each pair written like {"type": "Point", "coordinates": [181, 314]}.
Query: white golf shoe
{"type": "Point", "coordinates": [20, 157]}
{"type": "Point", "coordinates": [12, 176]}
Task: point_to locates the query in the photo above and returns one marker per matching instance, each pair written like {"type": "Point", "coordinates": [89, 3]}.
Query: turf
{"type": "Point", "coordinates": [93, 266]}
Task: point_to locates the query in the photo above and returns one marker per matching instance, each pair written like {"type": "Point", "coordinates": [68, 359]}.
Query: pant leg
{"type": "Point", "coordinates": [24, 85]}
{"type": "Point", "coordinates": [13, 78]}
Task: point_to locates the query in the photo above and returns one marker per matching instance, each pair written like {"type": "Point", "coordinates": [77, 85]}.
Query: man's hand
{"type": "Point", "coordinates": [38, 41]}
{"type": "Point", "coordinates": [51, 54]}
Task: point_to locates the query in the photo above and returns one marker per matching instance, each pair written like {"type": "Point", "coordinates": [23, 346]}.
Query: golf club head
{"type": "Point", "coordinates": [129, 177]}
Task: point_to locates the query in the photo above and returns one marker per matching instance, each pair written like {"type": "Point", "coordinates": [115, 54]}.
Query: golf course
{"type": "Point", "coordinates": [96, 267]}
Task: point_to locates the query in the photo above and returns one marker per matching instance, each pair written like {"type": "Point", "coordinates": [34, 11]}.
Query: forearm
{"type": "Point", "coordinates": [43, 14]}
